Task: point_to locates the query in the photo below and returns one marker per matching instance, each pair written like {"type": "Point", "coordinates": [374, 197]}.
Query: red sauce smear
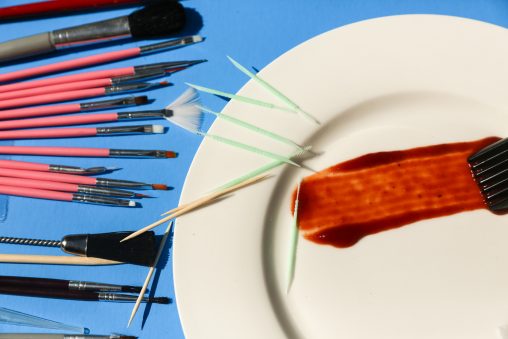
{"type": "Point", "coordinates": [380, 191]}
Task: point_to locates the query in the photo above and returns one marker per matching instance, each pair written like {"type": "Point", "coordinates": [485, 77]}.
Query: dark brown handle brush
{"type": "Point", "coordinates": [77, 295]}
{"type": "Point", "coordinates": [141, 250]}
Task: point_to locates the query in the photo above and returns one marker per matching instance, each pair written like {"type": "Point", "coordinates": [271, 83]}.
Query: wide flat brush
{"type": "Point", "coordinates": [99, 58]}
{"type": "Point", "coordinates": [154, 21]}
{"type": "Point", "coordinates": [28, 112]}
{"type": "Point", "coordinates": [140, 251]}
{"type": "Point", "coordinates": [78, 179]}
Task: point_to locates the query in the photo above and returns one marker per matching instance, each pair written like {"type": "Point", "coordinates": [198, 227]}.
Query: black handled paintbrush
{"type": "Point", "coordinates": [141, 250]}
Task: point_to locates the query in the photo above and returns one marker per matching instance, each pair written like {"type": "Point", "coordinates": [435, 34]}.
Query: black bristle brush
{"type": "Point", "coordinates": [154, 21]}
{"type": "Point", "coordinates": [141, 250]}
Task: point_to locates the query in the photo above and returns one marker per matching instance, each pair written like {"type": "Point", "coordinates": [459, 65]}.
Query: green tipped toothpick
{"type": "Point", "coordinates": [273, 91]}
{"type": "Point", "coordinates": [244, 99]}
{"type": "Point", "coordinates": [293, 243]}
{"type": "Point", "coordinates": [248, 148]}
{"type": "Point", "coordinates": [254, 128]}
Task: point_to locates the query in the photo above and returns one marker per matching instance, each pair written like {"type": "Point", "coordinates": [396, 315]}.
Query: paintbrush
{"type": "Point", "coordinates": [12, 317]}
{"type": "Point", "coordinates": [180, 112]}
{"type": "Point", "coordinates": [78, 295]}
{"type": "Point", "coordinates": [72, 108]}
{"type": "Point", "coordinates": [140, 251]}
{"type": "Point", "coordinates": [115, 74]}
{"type": "Point", "coordinates": [79, 132]}
{"type": "Point", "coordinates": [78, 179]}
{"type": "Point", "coordinates": [150, 22]}
{"type": "Point", "coordinates": [69, 285]}
{"type": "Point", "coordinates": [99, 58]}
{"type": "Point", "coordinates": [64, 196]}
{"type": "Point", "coordinates": [66, 187]}
{"type": "Point", "coordinates": [86, 152]}
{"type": "Point", "coordinates": [34, 166]}
{"type": "Point", "coordinates": [80, 94]}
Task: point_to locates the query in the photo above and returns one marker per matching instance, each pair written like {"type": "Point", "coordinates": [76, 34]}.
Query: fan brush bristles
{"type": "Point", "coordinates": [184, 111]}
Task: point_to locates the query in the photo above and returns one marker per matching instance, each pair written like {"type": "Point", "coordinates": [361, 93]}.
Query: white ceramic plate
{"type": "Point", "coordinates": [382, 84]}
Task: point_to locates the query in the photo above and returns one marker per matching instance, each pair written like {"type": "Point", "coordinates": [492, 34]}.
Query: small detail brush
{"type": "Point", "coordinates": [64, 196]}
{"type": "Point", "coordinates": [34, 166]}
{"type": "Point", "coordinates": [275, 92]}
{"type": "Point", "coordinates": [80, 94]}
{"type": "Point", "coordinates": [140, 251]}
{"type": "Point", "coordinates": [86, 152]}
{"type": "Point", "coordinates": [100, 58]}
{"type": "Point", "coordinates": [72, 108]}
{"type": "Point", "coordinates": [78, 179]}
{"type": "Point", "coordinates": [80, 132]}
{"type": "Point", "coordinates": [150, 22]}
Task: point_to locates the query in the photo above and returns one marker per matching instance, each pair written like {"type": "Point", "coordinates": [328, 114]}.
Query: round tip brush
{"type": "Point", "coordinates": [153, 21]}
{"type": "Point", "coordinates": [141, 250]}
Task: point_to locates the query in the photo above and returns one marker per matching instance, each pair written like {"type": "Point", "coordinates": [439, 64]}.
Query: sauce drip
{"type": "Point", "coordinates": [380, 191]}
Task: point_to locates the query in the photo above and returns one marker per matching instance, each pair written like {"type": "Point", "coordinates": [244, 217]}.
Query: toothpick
{"type": "Point", "coordinates": [274, 91]}
{"type": "Point", "coordinates": [293, 242]}
{"type": "Point", "coordinates": [196, 204]}
{"type": "Point", "coordinates": [54, 260]}
{"type": "Point", "coordinates": [244, 99]}
{"type": "Point", "coordinates": [254, 128]}
{"type": "Point", "coordinates": [150, 274]}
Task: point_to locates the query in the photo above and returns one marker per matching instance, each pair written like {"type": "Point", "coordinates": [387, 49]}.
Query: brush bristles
{"type": "Point", "coordinates": [156, 129]}
{"type": "Point", "coordinates": [171, 154]}
{"type": "Point", "coordinates": [160, 187]}
{"type": "Point", "coordinates": [185, 110]}
{"type": "Point", "coordinates": [157, 20]}
{"type": "Point", "coordinates": [141, 100]}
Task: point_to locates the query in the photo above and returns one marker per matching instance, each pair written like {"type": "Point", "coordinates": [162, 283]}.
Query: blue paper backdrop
{"type": "Point", "coordinates": [254, 32]}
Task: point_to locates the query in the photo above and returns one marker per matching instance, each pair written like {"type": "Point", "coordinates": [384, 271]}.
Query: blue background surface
{"type": "Point", "coordinates": [252, 31]}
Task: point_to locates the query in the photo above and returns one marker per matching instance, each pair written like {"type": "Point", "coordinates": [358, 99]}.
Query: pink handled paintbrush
{"type": "Point", "coordinates": [86, 152]}
{"type": "Point", "coordinates": [78, 94]}
{"type": "Point", "coordinates": [40, 167]}
{"type": "Point", "coordinates": [78, 179]}
{"type": "Point", "coordinates": [67, 187]}
{"type": "Point", "coordinates": [64, 196]}
{"type": "Point", "coordinates": [79, 132]}
{"type": "Point", "coordinates": [28, 112]}
{"type": "Point", "coordinates": [99, 59]}
{"type": "Point", "coordinates": [115, 74]}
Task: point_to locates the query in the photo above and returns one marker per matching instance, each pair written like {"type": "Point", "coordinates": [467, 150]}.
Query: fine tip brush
{"type": "Point", "coordinates": [139, 251]}
{"type": "Point", "coordinates": [154, 21]}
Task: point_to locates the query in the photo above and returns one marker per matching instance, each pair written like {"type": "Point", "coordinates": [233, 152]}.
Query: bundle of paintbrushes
{"type": "Point", "coordinates": [72, 289]}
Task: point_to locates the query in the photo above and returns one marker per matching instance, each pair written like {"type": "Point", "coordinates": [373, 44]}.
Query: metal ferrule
{"type": "Point", "coordinates": [92, 286]}
{"type": "Point", "coordinates": [125, 129]}
{"type": "Point", "coordinates": [66, 169]}
{"type": "Point", "coordinates": [93, 199]}
{"type": "Point", "coordinates": [171, 44]}
{"type": "Point", "coordinates": [106, 30]}
{"type": "Point", "coordinates": [161, 113]}
{"type": "Point", "coordinates": [120, 183]}
{"type": "Point", "coordinates": [137, 153]}
{"type": "Point", "coordinates": [104, 191]}
{"type": "Point", "coordinates": [128, 87]}
{"type": "Point", "coordinates": [105, 296]}
{"type": "Point", "coordinates": [30, 242]}
{"type": "Point", "coordinates": [126, 101]}
{"type": "Point", "coordinates": [79, 336]}
{"type": "Point", "coordinates": [143, 75]}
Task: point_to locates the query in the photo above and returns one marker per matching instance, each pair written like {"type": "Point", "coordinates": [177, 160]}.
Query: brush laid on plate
{"type": "Point", "coordinates": [80, 94]}
{"type": "Point", "coordinates": [115, 74]}
{"type": "Point", "coordinates": [140, 251]}
{"type": "Point", "coordinates": [79, 179]}
{"type": "Point", "coordinates": [86, 152]}
{"type": "Point", "coordinates": [38, 111]}
{"type": "Point", "coordinates": [178, 112]}
{"type": "Point", "coordinates": [99, 58]}
{"type": "Point", "coordinates": [40, 167]}
{"type": "Point", "coordinates": [79, 132]}
{"type": "Point", "coordinates": [154, 21]}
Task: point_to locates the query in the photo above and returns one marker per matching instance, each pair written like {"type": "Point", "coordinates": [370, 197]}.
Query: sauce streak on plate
{"type": "Point", "coordinates": [380, 191]}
